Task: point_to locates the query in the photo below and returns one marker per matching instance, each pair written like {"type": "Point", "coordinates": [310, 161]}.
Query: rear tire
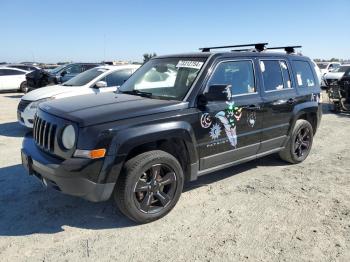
{"type": "Point", "coordinates": [149, 186]}
{"type": "Point", "coordinates": [299, 144]}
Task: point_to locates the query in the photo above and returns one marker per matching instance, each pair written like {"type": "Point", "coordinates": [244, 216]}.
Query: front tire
{"type": "Point", "coordinates": [149, 186]}
{"type": "Point", "coordinates": [299, 144]}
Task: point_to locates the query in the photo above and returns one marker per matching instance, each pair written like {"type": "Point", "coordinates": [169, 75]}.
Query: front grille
{"type": "Point", "coordinates": [22, 105]}
{"type": "Point", "coordinates": [44, 134]}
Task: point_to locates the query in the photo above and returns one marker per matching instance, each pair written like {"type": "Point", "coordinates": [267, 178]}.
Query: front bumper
{"type": "Point", "coordinates": [69, 176]}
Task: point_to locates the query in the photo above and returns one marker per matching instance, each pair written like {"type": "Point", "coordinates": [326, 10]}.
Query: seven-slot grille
{"type": "Point", "coordinates": [44, 134]}
{"type": "Point", "coordinates": [22, 105]}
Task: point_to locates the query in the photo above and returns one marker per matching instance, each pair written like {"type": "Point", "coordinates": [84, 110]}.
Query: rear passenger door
{"type": "Point", "coordinates": [279, 97]}
{"type": "Point", "coordinates": [230, 128]}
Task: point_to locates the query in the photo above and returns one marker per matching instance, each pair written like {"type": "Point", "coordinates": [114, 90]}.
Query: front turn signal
{"type": "Point", "coordinates": [92, 154]}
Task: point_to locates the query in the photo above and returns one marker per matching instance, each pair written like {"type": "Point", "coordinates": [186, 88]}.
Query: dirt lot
{"type": "Point", "coordinates": [264, 210]}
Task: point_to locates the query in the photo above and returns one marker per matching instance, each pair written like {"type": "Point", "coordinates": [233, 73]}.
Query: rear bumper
{"type": "Point", "coordinates": [68, 176]}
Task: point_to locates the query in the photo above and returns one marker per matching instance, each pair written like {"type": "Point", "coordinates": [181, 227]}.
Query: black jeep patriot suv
{"type": "Point", "coordinates": [178, 117]}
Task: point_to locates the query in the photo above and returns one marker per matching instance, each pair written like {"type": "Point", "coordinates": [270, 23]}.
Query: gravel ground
{"type": "Point", "coordinates": [264, 210]}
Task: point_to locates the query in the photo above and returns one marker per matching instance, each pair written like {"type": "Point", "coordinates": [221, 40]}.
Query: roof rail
{"type": "Point", "coordinates": [288, 49]}
{"type": "Point", "coordinates": [258, 46]}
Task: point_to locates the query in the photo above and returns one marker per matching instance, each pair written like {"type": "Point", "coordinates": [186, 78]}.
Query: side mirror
{"type": "Point", "coordinates": [63, 73]}
{"type": "Point", "coordinates": [219, 93]}
{"type": "Point", "coordinates": [100, 84]}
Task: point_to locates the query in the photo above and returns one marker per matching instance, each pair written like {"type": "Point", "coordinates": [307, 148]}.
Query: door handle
{"type": "Point", "coordinates": [254, 107]}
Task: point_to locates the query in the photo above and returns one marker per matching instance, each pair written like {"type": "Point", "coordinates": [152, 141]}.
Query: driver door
{"type": "Point", "coordinates": [231, 122]}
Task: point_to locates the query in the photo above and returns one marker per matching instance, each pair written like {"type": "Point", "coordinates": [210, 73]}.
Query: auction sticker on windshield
{"type": "Point", "coordinates": [189, 64]}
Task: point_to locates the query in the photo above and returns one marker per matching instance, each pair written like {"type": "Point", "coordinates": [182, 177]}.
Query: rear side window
{"type": "Point", "coordinates": [9, 72]}
{"type": "Point", "coordinates": [275, 75]}
{"type": "Point", "coordinates": [238, 74]}
{"type": "Point", "coordinates": [304, 75]}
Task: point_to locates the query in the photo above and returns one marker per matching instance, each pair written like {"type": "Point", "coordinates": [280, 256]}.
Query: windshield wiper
{"type": "Point", "coordinates": [66, 85]}
{"type": "Point", "coordinates": [137, 93]}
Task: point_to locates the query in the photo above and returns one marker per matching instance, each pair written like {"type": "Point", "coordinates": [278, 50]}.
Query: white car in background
{"type": "Point", "coordinates": [13, 79]}
{"type": "Point", "coordinates": [327, 67]}
{"type": "Point", "coordinates": [336, 75]}
{"type": "Point", "coordinates": [93, 81]}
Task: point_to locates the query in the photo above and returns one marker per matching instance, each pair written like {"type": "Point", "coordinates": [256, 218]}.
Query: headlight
{"type": "Point", "coordinates": [35, 104]}
{"type": "Point", "coordinates": [68, 137]}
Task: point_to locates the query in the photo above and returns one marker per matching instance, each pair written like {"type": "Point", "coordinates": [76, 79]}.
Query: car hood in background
{"type": "Point", "coordinates": [49, 91]}
{"type": "Point", "coordinates": [334, 75]}
{"type": "Point", "coordinates": [101, 108]}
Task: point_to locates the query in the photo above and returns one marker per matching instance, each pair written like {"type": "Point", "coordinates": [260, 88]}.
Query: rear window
{"type": "Point", "coordinates": [304, 74]}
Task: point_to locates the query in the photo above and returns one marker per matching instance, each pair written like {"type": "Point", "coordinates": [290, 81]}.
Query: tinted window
{"type": "Point", "coordinates": [303, 71]}
{"type": "Point", "coordinates": [85, 77]}
{"type": "Point", "coordinates": [8, 72]}
{"type": "Point", "coordinates": [118, 78]}
{"type": "Point", "coordinates": [272, 75]}
{"type": "Point", "coordinates": [287, 83]}
{"type": "Point", "coordinates": [86, 67]}
{"type": "Point", "coordinates": [74, 69]}
{"type": "Point", "coordinates": [238, 74]}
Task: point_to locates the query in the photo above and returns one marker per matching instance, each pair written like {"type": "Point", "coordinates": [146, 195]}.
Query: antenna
{"type": "Point", "coordinates": [258, 47]}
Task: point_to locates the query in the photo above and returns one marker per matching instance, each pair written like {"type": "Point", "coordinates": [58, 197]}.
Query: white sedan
{"type": "Point", "coordinates": [12, 79]}
{"type": "Point", "coordinates": [96, 80]}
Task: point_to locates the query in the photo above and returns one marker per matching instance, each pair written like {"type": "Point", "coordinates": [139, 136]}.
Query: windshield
{"type": "Point", "coordinates": [57, 69]}
{"type": "Point", "coordinates": [322, 65]}
{"type": "Point", "coordinates": [85, 77]}
{"type": "Point", "coordinates": [342, 69]}
{"type": "Point", "coordinates": [168, 78]}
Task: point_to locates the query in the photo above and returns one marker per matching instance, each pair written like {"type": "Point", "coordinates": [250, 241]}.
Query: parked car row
{"type": "Point", "coordinates": [93, 81]}
{"type": "Point", "coordinates": [176, 118]}
{"type": "Point", "coordinates": [23, 77]}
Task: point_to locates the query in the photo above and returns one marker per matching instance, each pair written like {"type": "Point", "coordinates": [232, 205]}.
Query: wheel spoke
{"type": "Point", "coordinates": [169, 178]}
{"type": "Point", "coordinates": [155, 170]}
{"type": "Point", "coordinates": [146, 202]}
{"type": "Point", "coordinates": [163, 198]}
{"type": "Point", "coordinates": [306, 133]}
{"type": "Point", "coordinates": [141, 186]}
{"type": "Point", "coordinates": [305, 144]}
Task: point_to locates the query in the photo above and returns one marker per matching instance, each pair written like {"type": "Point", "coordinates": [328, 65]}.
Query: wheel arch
{"type": "Point", "coordinates": [175, 138]}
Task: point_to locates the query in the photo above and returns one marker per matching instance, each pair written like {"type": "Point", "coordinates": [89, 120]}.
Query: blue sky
{"type": "Point", "coordinates": [51, 31]}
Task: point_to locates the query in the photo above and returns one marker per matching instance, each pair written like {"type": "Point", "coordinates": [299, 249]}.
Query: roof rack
{"type": "Point", "coordinates": [288, 49]}
{"type": "Point", "coordinates": [258, 47]}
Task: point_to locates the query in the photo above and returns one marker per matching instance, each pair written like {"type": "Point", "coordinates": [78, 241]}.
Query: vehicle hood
{"type": "Point", "coordinates": [334, 75]}
{"type": "Point", "coordinates": [48, 91]}
{"type": "Point", "coordinates": [101, 108]}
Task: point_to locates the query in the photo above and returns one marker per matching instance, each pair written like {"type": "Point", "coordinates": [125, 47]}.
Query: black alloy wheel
{"type": "Point", "coordinates": [302, 142]}
{"type": "Point", "coordinates": [149, 186]}
{"type": "Point", "coordinates": [299, 144]}
{"type": "Point", "coordinates": [155, 188]}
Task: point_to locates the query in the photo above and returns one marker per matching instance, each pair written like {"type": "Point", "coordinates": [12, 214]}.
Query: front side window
{"type": "Point", "coordinates": [85, 77]}
{"type": "Point", "coordinates": [238, 74]}
{"type": "Point", "coordinates": [164, 78]}
{"type": "Point", "coordinates": [117, 78]}
{"type": "Point", "coordinates": [304, 74]}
